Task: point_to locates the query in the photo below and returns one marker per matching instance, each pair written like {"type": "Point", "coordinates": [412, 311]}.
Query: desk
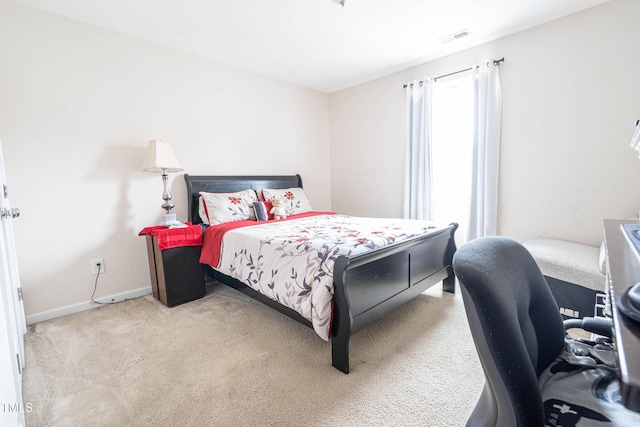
{"type": "Point", "coordinates": [623, 270]}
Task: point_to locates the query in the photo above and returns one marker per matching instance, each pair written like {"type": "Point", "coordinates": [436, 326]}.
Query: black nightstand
{"type": "Point", "coordinates": [174, 264]}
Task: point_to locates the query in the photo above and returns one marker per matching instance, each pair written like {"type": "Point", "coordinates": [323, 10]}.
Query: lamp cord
{"type": "Point", "coordinates": [95, 287]}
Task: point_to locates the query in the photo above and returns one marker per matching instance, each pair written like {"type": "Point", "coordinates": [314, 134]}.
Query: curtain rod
{"type": "Point", "coordinates": [496, 62]}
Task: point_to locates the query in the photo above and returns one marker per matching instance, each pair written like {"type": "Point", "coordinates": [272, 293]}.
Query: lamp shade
{"type": "Point", "coordinates": [160, 157]}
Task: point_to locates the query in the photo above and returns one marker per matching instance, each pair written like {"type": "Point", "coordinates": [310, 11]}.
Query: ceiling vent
{"type": "Point", "coordinates": [455, 36]}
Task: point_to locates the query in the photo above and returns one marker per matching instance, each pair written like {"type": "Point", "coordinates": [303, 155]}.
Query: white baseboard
{"type": "Point", "coordinates": [84, 306]}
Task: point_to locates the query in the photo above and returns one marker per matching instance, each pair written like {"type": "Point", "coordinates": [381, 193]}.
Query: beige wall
{"type": "Point", "coordinates": [571, 95]}
{"type": "Point", "coordinates": [77, 107]}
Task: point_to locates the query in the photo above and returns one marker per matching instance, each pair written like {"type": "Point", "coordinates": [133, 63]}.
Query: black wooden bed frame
{"type": "Point", "coordinates": [367, 286]}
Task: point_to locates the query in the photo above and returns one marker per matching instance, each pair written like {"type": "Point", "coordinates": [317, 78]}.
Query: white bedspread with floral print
{"type": "Point", "coordinates": [292, 261]}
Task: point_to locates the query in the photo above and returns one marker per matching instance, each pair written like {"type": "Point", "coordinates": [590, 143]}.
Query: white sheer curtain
{"type": "Point", "coordinates": [417, 175]}
{"type": "Point", "coordinates": [483, 219]}
{"type": "Point", "coordinates": [635, 140]}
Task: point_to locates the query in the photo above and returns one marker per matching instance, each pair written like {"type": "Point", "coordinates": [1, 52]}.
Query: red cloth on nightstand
{"type": "Point", "coordinates": [174, 237]}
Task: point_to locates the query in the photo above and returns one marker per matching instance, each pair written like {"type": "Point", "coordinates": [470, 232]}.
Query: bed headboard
{"type": "Point", "coordinates": [232, 183]}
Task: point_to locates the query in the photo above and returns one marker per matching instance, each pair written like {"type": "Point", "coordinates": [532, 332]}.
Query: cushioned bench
{"type": "Point", "coordinates": [574, 273]}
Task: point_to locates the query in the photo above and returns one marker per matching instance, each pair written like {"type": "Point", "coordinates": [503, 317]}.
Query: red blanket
{"type": "Point", "coordinates": [174, 237]}
{"type": "Point", "coordinates": [214, 233]}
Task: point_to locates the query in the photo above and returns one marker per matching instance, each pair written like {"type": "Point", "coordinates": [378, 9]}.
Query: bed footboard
{"type": "Point", "coordinates": [368, 287]}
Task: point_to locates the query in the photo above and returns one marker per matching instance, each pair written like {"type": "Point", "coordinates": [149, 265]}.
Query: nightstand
{"type": "Point", "coordinates": [177, 276]}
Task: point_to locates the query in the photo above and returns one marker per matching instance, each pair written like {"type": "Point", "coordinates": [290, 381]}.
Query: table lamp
{"type": "Point", "coordinates": [161, 158]}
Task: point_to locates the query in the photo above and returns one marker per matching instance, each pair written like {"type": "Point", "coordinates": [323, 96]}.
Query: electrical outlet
{"type": "Point", "coordinates": [97, 265]}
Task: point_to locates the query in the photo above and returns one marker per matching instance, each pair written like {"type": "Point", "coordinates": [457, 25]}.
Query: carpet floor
{"type": "Point", "coordinates": [227, 360]}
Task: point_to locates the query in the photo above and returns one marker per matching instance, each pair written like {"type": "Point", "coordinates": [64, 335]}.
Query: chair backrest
{"type": "Point", "coordinates": [516, 327]}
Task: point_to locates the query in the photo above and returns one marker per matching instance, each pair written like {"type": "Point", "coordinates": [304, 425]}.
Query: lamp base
{"type": "Point", "coordinates": [171, 221]}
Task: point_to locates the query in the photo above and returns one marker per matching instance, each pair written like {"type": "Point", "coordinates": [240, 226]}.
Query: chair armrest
{"type": "Point", "coordinates": [597, 325]}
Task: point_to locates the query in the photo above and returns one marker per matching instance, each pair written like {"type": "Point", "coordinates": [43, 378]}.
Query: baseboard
{"type": "Point", "coordinates": [84, 306]}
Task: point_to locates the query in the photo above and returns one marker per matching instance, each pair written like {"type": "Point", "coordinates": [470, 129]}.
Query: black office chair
{"type": "Point", "coordinates": [520, 338]}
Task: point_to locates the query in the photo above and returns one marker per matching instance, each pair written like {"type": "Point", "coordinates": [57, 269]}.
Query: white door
{"type": "Point", "coordinates": [12, 320]}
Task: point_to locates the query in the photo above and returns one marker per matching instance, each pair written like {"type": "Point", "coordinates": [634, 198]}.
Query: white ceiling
{"type": "Point", "coordinates": [315, 43]}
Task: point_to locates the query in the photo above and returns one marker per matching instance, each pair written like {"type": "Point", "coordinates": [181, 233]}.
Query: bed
{"type": "Point", "coordinates": [366, 286]}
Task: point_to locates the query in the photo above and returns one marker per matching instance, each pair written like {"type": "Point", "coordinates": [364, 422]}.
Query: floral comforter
{"type": "Point", "coordinates": [291, 261]}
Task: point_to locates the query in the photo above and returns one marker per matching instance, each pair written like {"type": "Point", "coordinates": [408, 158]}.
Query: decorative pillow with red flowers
{"type": "Point", "coordinates": [219, 208]}
{"type": "Point", "coordinates": [295, 199]}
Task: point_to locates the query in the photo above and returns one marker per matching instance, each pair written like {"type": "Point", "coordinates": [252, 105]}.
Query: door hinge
{"type": "Point", "coordinates": [9, 213]}
{"type": "Point", "coordinates": [19, 364]}
{"type": "Point", "coordinates": [5, 191]}
{"type": "Point", "coordinates": [20, 293]}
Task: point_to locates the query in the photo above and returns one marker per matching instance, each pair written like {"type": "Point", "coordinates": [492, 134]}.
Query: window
{"type": "Point", "coordinates": [452, 149]}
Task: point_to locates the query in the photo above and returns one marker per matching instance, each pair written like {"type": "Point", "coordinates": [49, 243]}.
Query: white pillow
{"type": "Point", "coordinates": [295, 199]}
{"type": "Point", "coordinates": [219, 208]}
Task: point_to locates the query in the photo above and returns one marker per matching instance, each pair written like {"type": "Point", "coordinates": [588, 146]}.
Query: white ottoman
{"type": "Point", "coordinates": [573, 273]}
